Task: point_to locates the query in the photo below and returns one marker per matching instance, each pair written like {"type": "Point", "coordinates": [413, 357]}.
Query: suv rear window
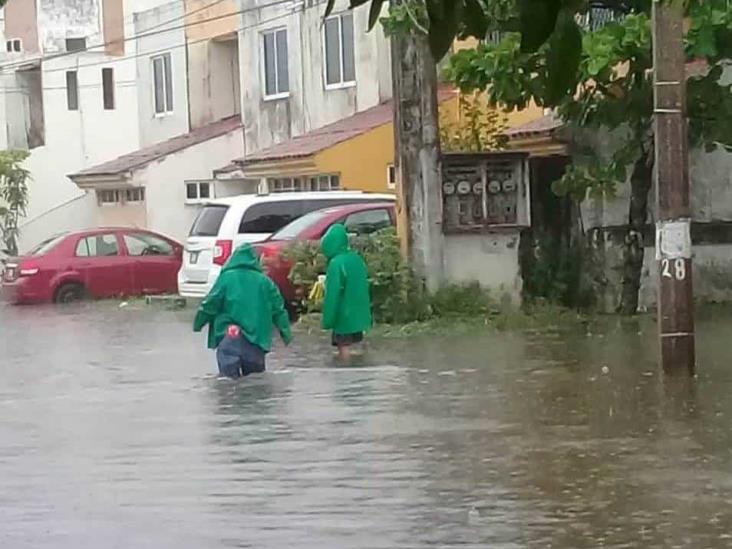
{"type": "Point", "coordinates": [270, 217]}
{"type": "Point", "coordinates": [209, 220]}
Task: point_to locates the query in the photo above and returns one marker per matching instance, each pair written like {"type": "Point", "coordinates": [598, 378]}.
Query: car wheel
{"type": "Point", "coordinates": [69, 293]}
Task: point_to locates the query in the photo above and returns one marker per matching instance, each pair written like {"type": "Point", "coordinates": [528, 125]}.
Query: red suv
{"type": "Point", "coordinates": [96, 263]}
{"type": "Point", "coordinates": [358, 219]}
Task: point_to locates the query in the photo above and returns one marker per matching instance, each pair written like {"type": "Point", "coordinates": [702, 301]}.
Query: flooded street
{"type": "Point", "coordinates": [115, 433]}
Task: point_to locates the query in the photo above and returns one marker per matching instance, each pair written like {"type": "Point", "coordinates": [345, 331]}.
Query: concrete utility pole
{"type": "Point", "coordinates": [673, 228]}
{"type": "Point", "coordinates": [417, 154]}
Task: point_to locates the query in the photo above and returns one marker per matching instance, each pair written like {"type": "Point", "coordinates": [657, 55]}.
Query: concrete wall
{"type": "Point", "coordinates": [491, 259]}
{"type": "Point", "coordinates": [165, 39]}
{"type": "Point", "coordinates": [62, 19]}
{"type": "Point", "coordinates": [75, 214]}
{"type": "Point", "coordinates": [214, 84]}
{"type": "Point", "coordinates": [164, 182]}
{"type": "Point", "coordinates": [710, 175]}
{"type": "Point", "coordinates": [125, 215]}
{"type": "Point", "coordinates": [309, 105]}
{"type": "Point", "coordinates": [21, 22]}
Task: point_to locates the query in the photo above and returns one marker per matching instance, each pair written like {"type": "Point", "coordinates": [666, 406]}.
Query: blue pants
{"type": "Point", "coordinates": [237, 357]}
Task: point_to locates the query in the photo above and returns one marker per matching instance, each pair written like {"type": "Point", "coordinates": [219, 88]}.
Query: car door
{"type": "Point", "coordinates": [104, 270]}
{"type": "Point", "coordinates": [155, 263]}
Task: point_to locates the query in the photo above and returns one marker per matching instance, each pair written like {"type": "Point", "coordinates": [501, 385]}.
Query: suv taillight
{"type": "Point", "coordinates": [222, 251]}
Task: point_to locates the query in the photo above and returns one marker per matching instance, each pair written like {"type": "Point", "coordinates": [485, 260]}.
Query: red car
{"type": "Point", "coordinates": [358, 219]}
{"type": "Point", "coordinates": [96, 263]}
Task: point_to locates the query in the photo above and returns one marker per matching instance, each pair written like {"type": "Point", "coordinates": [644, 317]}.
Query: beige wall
{"type": "Point", "coordinates": [129, 215]}
{"type": "Point", "coordinates": [211, 29]}
{"type": "Point", "coordinates": [114, 26]}
{"type": "Point", "coordinates": [21, 22]}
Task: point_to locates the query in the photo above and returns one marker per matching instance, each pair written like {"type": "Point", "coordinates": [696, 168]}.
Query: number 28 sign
{"type": "Point", "coordinates": [673, 247]}
{"type": "Point", "coordinates": [673, 268]}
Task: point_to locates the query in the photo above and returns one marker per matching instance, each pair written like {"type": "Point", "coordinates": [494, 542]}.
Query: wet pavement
{"type": "Point", "coordinates": [114, 433]}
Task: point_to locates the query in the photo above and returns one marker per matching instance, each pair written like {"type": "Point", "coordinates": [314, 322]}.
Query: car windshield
{"type": "Point", "coordinates": [47, 245]}
{"type": "Point", "coordinates": [209, 220]}
{"type": "Point", "coordinates": [294, 229]}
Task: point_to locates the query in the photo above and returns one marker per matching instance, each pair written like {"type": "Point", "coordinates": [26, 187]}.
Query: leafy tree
{"type": "Point", "coordinates": [13, 196]}
{"type": "Point", "coordinates": [614, 93]}
{"type": "Point", "coordinates": [477, 129]}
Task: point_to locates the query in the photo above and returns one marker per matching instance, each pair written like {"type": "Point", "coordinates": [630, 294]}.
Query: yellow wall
{"type": "Point", "coordinates": [212, 29]}
{"type": "Point", "coordinates": [362, 161]}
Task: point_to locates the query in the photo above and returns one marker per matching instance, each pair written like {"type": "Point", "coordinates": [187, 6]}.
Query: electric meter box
{"type": "Point", "coordinates": [485, 190]}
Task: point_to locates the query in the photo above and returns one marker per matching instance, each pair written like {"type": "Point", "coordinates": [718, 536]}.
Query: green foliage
{"type": "Point", "coordinates": [13, 196]}
{"type": "Point", "coordinates": [477, 129]}
{"type": "Point", "coordinates": [398, 295]}
{"type": "Point", "coordinates": [555, 274]}
{"type": "Point", "coordinates": [615, 91]}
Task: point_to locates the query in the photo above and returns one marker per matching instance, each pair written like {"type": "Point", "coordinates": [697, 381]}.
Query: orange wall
{"type": "Point", "coordinates": [21, 22]}
{"type": "Point", "coordinates": [362, 161]}
{"type": "Point", "coordinates": [198, 11]}
{"type": "Point", "coordinates": [114, 26]}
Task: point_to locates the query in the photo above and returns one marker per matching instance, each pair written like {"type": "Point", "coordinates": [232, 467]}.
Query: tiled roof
{"type": "Point", "coordinates": [541, 126]}
{"type": "Point", "coordinates": [146, 155]}
{"type": "Point", "coordinates": [323, 138]}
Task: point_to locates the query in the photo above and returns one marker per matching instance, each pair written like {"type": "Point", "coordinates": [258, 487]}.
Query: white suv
{"type": "Point", "coordinates": [226, 223]}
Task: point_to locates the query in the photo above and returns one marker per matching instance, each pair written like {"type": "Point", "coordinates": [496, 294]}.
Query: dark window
{"type": "Point", "coordinates": [72, 91]}
{"type": "Point", "coordinates": [140, 244]}
{"type": "Point", "coordinates": [14, 45]}
{"type": "Point", "coordinates": [75, 44]}
{"type": "Point", "coordinates": [368, 222]}
{"type": "Point", "coordinates": [135, 195]}
{"type": "Point", "coordinates": [276, 77]}
{"type": "Point", "coordinates": [209, 221]}
{"type": "Point", "coordinates": [108, 88]}
{"type": "Point", "coordinates": [270, 217]}
{"type": "Point", "coordinates": [192, 191]}
{"type": "Point", "coordinates": [162, 84]}
{"type": "Point", "coordinates": [204, 190]}
{"type": "Point", "coordinates": [101, 245]}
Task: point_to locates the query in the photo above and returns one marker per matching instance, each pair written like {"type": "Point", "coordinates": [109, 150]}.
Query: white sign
{"type": "Point", "coordinates": [673, 239]}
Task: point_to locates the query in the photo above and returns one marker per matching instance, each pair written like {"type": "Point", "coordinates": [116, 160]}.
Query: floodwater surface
{"type": "Point", "coordinates": [115, 433]}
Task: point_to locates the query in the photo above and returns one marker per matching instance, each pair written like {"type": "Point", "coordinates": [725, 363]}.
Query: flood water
{"type": "Point", "coordinates": [114, 433]}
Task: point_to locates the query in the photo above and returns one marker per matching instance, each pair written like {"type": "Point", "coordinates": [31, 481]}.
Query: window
{"type": "Point", "coordinates": [140, 244]}
{"type": "Point", "coordinates": [270, 217]}
{"type": "Point", "coordinates": [209, 221]}
{"type": "Point", "coordinates": [276, 68]}
{"type": "Point", "coordinates": [340, 64]}
{"type": "Point", "coordinates": [101, 245]}
{"type": "Point", "coordinates": [76, 44]}
{"type": "Point", "coordinates": [325, 183]}
{"type": "Point", "coordinates": [14, 45]}
{"type": "Point", "coordinates": [72, 91]}
{"type": "Point", "coordinates": [162, 84]}
{"type": "Point", "coordinates": [292, 230]}
{"type": "Point", "coordinates": [135, 195]}
{"type": "Point", "coordinates": [368, 222]}
{"type": "Point", "coordinates": [197, 191]}
{"type": "Point", "coordinates": [109, 197]}
{"type": "Point", "coordinates": [108, 88]}
{"type": "Point", "coordinates": [391, 176]}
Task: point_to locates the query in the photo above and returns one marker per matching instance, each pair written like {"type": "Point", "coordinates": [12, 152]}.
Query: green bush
{"type": "Point", "coordinates": [398, 295]}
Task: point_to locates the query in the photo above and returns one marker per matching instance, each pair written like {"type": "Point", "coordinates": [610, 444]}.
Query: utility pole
{"type": "Point", "coordinates": [417, 155]}
{"type": "Point", "coordinates": [673, 228]}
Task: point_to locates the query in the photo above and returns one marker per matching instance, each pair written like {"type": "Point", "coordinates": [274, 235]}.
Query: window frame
{"type": "Point", "coordinates": [86, 238]}
{"type": "Point", "coordinates": [11, 43]}
{"type": "Point", "coordinates": [72, 76]}
{"type": "Point", "coordinates": [165, 58]}
{"type": "Point", "coordinates": [140, 236]}
{"type": "Point", "coordinates": [391, 182]}
{"type": "Point", "coordinates": [343, 84]}
{"type": "Point", "coordinates": [108, 89]}
{"type": "Point", "coordinates": [263, 60]}
{"type": "Point", "coordinates": [200, 200]}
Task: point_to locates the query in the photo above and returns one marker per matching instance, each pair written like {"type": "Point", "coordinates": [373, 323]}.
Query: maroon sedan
{"type": "Point", "coordinates": [96, 263]}
{"type": "Point", "coordinates": [358, 219]}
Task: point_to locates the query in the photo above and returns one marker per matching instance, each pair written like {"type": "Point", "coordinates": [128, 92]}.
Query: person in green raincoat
{"type": "Point", "coordinates": [347, 302]}
{"type": "Point", "coordinates": [240, 310]}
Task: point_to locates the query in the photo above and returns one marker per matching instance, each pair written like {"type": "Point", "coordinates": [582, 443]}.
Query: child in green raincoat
{"type": "Point", "coordinates": [240, 310]}
{"type": "Point", "coordinates": [347, 303]}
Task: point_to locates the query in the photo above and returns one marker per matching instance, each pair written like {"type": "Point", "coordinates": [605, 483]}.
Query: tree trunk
{"type": "Point", "coordinates": [418, 155]}
{"type": "Point", "coordinates": [640, 185]}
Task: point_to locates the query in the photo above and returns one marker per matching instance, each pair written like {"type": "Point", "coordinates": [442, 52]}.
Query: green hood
{"type": "Point", "coordinates": [244, 257]}
{"type": "Point", "coordinates": [335, 241]}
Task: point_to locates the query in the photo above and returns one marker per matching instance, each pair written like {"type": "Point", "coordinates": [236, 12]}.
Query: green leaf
{"type": "Point", "coordinates": [329, 8]}
{"type": "Point", "coordinates": [375, 12]}
{"type": "Point", "coordinates": [475, 19]}
{"type": "Point", "coordinates": [538, 19]}
{"type": "Point", "coordinates": [444, 17]}
{"type": "Point", "coordinates": [563, 58]}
